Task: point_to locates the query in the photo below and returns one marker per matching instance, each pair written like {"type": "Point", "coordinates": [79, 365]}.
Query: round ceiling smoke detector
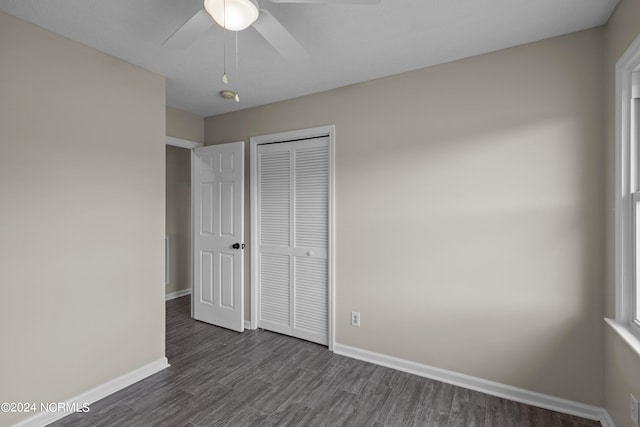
{"type": "Point", "coordinates": [229, 94]}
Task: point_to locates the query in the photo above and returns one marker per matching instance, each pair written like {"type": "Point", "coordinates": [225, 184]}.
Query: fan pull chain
{"type": "Point", "coordinates": [237, 96]}
{"type": "Point", "coordinates": [225, 80]}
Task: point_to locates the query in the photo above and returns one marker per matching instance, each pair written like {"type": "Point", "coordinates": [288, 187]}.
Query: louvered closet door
{"type": "Point", "coordinates": [274, 231]}
{"type": "Point", "coordinates": [310, 238]}
{"type": "Point", "coordinates": [293, 198]}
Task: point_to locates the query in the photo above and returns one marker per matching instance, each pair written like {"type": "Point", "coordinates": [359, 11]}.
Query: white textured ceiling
{"type": "Point", "coordinates": [347, 43]}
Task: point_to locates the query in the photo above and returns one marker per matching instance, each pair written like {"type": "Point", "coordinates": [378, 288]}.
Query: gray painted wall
{"type": "Point", "coordinates": [622, 365]}
{"type": "Point", "coordinates": [82, 151]}
{"type": "Point", "coordinates": [469, 212]}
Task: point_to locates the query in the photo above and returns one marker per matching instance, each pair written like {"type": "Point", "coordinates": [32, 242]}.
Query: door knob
{"type": "Point", "coordinates": [237, 246]}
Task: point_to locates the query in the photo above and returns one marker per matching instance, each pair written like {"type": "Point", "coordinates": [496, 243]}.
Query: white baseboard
{"type": "Point", "coordinates": [489, 387]}
{"type": "Point", "coordinates": [178, 294]}
{"type": "Point", "coordinates": [247, 324]}
{"type": "Point", "coordinates": [95, 394]}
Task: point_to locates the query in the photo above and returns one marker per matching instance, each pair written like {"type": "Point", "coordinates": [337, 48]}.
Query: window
{"type": "Point", "coordinates": [627, 249]}
{"type": "Point", "coordinates": [634, 196]}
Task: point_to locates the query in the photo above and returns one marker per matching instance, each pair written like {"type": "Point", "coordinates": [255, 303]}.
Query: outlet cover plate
{"type": "Point", "coordinates": [355, 318]}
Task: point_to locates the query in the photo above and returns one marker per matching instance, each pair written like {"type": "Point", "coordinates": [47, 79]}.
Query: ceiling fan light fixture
{"type": "Point", "coordinates": [228, 94]}
{"type": "Point", "coordinates": [239, 13]}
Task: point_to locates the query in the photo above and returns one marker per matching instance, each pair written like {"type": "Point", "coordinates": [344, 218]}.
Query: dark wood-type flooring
{"type": "Point", "coordinates": [258, 378]}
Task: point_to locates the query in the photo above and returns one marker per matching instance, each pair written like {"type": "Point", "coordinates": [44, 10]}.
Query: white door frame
{"type": "Point", "coordinates": [329, 131]}
{"type": "Point", "coordinates": [182, 143]}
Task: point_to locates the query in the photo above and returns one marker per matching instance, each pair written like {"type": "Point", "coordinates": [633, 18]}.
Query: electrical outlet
{"type": "Point", "coordinates": [634, 409]}
{"type": "Point", "coordinates": [355, 318]}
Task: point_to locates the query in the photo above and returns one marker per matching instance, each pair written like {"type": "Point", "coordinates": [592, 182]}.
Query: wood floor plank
{"type": "Point", "coordinates": [366, 403]}
{"type": "Point", "coordinates": [227, 407]}
{"type": "Point", "coordinates": [466, 395]}
{"type": "Point", "coordinates": [405, 404]}
{"type": "Point", "coordinates": [440, 397]}
{"type": "Point", "coordinates": [245, 416]}
{"type": "Point", "coordinates": [579, 422]}
{"type": "Point", "coordinates": [114, 415]}
{"type": "Point", "coordinates": [468, 415]}
{"type": "Point", "coordinates": [388, 377]}
{"type": "Point", "coordinates": [260, 378]}
{"type": "Point", "coordinates": [498, 413]}
{"type": "Point", "coordinates": [274, 371]}
{"type": "Point", "coordinates": [202, 378]}
{"type": "Point", "coordinates": [355, 375]}
{"type": "Point", "coordinates": [333, 410]}
{"type": "Point", "coordinates": [289, 414]}
{"type": "Point", "coordinates": [427, 417]}
{"type": "Point", "coordinates": [279, 395]}
{"type": "Point", "coordinates": [76, 419]}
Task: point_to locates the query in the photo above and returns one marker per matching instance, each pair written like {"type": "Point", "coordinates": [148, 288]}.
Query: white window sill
{"type": "Point", "coordinates": [625, 333]}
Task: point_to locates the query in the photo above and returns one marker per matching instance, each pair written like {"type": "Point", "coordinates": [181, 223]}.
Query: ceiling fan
{"type": "Point", "coordinates": [236, 15]}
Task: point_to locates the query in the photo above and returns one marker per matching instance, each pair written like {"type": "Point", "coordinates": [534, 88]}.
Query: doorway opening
{"type": "Point", "coordinates": [178, 271]}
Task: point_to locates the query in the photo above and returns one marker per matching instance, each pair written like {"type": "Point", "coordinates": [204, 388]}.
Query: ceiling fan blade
{"type": "Point", "coordinates": [184, 36]}
{"type": "Point", "coordinates": [280, 38]}
{"type": "Point", "coordinates": [372, 2]}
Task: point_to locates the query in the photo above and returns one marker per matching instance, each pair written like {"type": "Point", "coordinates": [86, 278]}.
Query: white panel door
{"type": "Point", "coordinates": [293, 213]}
{"type": "Point", "coordinates": [217, 187]}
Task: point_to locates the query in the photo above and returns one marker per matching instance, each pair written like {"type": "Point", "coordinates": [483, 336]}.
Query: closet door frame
{"type": "Point", "coordinates": [321, 131]}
